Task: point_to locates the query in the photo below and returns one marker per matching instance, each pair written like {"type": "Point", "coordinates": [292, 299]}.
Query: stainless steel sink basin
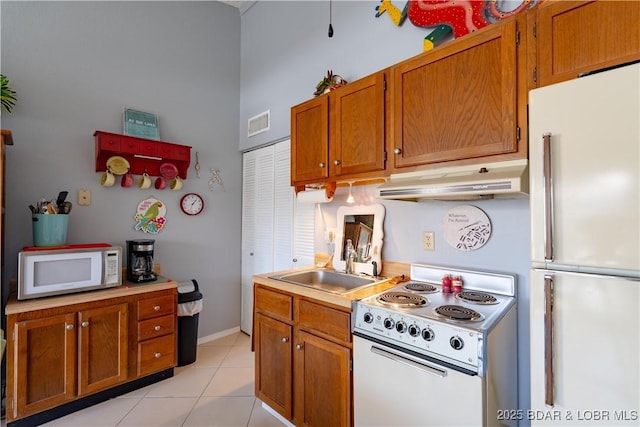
{"type": "Point", "coordinates": [326, 280]}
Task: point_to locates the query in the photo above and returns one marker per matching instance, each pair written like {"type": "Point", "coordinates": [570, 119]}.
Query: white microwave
{"type": "Point", "coordinates": [76, 268]}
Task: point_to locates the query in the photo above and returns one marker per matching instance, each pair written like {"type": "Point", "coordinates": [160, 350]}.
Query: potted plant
{"type": "Point", "coordinates": [7, 95]}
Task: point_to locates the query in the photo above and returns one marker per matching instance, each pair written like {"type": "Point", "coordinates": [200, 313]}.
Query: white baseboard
{"type": "Point", "coordinates": [280, 418]}
{"type": "Point", "coordinates": [218, 335]}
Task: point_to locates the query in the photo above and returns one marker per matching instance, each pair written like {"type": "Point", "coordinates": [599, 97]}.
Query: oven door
{"type": "Point", "coordinates": [394, 388]}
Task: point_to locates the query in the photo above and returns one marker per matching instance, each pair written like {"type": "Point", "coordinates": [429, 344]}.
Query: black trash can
{"type": "Point", "coordinates": [189, 308]}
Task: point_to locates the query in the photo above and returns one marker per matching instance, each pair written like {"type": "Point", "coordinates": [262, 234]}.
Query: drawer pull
{"type": "Point", "coordinates": [285, 339]}
{"type": "Point", "coordinates": [84, 324]}
{"type": "Point", "coordinates": [158, 355]}
{"type": "Point", "coordinates": [156, 328]}
{"type": "Point", "coordinates": [156, 307]}
{"type": "Point", "coordinates": [69, 327]}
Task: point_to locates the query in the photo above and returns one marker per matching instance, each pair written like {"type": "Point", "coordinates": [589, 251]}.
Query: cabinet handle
{"type": "Point", "coordinates": [299, 346]}
{"type": "Point", "coordinates": [158, 355]}
{"type": "Point", "coordinates": [156, 328]}
{"type": "Point", "coordinates": [336, 162]}
{"type": "Point", "coordinates": [69, 327]}
{"type": "Point", "coordinates": [321, 164]}
{"type": "Point", "coordinates": [84, 324]}
{"type": "Point", "coordinates": [156, 307]}
{"type": "Point", "coordinates": [397, 150]}
{"type": "Point", "coordinates": [285, 339]}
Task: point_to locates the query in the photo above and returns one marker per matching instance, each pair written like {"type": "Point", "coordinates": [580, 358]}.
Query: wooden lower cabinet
{"type": "Point", "coordinates": [303, 358]}
{"type": "Point", "coordinates": [58, 355]}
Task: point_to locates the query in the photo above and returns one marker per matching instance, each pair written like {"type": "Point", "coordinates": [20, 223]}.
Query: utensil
{"type": "Point", "coordinates": [65, 208]}
{"type": "Point", "coordinates": [62, 196]}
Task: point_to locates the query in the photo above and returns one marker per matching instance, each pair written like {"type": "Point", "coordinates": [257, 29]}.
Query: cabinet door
{"type": "Point", "coordinates": [357, 121]}
{"type": "Point", "coordinates": [274, 364]}
{"type": "Point", "coordinates": [310, 141]}
{"type": "Point", "coordinates": [457, 102]}
{"type": "Point", "coordinates": [45, 364]}
{"type": "Point", "coordinates": [322, 382]}
{"type": "Point", "coordinates": [578, 36]}
{"type": "Point", "coordinates": [102, 348]}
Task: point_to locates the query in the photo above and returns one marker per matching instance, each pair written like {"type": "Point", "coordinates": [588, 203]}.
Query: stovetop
{"type": "Point", "coordinates": [418, 316]}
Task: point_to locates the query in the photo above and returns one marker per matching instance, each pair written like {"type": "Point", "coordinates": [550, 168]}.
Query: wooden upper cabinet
{"type": "Point", "coordinates": [310, 141]}
{"type": "Point", "coordinates": [578, 36]}
{"type": "Point", "coordinates": [459, 101]}
{"type": "Point", "coordinates": [340, 134]}
{"type": "Point", "coordinates": [358, 143]}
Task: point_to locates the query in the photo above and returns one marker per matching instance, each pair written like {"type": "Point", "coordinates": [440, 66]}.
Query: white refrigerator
{"type": "Point", "coordinates": [585, 222]}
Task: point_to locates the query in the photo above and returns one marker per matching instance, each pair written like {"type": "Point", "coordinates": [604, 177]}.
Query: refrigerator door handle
{"type": "Point", "coordinates": [548, 339]}
{"type": "Point", "coordinates": [548, 198]}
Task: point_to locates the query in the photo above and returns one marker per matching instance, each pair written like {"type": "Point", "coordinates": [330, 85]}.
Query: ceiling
{"type": "Point", "coordinates": [242, 6]}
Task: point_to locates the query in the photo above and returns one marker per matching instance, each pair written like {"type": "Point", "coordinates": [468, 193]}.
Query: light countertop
{"type": "Point", "coordinates": [126, 289]}
{"type": "Point", "coordinates": [342, 300]}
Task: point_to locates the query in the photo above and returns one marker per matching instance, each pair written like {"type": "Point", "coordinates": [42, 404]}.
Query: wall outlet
{"type": "Point", "coordinates": [428, 241]}
{"type": "Point", "coordinates": [84, 197]}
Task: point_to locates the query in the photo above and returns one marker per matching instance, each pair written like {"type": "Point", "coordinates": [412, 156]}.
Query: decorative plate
{"type": "Point", "coordinates": [168, 170]}
{"type": "Point", "coordinates": [466, 228]}
{"type": "Point", "coordinates": [150, 216]}
{"type": "Point", "coordinates": [118, 165]}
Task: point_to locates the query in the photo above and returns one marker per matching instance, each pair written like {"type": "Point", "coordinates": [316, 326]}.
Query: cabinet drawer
{"type": "Point", "coordinates": [148, 148]}
{"type": "Point", "coordinates": [182, 152]}
{"type": "Point", "coordinates": [157, 327]}
{"type": "Point", "coordinates": [274, 304]}
{"type": "Point", "coordinates": [129, 145]}
{"type": "Point", "coordinates": [156, 354]}
{"type": "Point", "coordinates": [109, 142]}
{"type": "Point", "coordinates": [166, 151]}
{"type": "Point", "coordinates": [155, 307]}
{"type": "Point", "coordinates": [327, 320]}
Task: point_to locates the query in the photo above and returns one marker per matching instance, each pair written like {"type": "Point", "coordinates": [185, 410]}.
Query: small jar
{"type": "Point", "coordinates": [457, 285]}
{"type": "Point", "coordinates": [446, 284]}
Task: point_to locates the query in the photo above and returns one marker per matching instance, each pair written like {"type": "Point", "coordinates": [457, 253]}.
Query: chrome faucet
{"type": "Point", "coordinates": [350, 257]}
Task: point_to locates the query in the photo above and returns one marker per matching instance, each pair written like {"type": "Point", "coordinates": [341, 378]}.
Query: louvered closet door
{"type": "Point", "coordinates": [270, 230]}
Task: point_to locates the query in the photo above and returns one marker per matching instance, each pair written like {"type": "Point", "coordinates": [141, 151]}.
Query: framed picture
{"type": "Point", "coordinates": [141, 124]}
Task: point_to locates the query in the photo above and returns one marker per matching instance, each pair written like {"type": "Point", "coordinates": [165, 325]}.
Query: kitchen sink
{"type": "Point", "coordinates": [327, 280]}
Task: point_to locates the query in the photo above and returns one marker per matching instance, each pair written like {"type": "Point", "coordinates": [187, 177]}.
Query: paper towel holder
{"type": "Point", "coordinates": [329, 187]}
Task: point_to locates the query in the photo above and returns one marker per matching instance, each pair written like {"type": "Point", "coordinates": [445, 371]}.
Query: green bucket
{"type": "Point", "coordinates": [50, 230]}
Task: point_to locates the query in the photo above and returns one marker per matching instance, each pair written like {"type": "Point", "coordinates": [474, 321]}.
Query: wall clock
{"type": "Point", "coordinates": [466, 228]}
{"type": "Point", "coordinates": [191, 204]}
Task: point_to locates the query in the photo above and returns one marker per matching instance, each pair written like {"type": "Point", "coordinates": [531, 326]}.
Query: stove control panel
{"type": "Point", "coordinates": [449, 342]}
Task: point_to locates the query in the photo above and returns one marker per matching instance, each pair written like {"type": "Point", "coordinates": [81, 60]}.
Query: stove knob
{"type": "Point", "coordinates": [456, 342]}
{"type": "Point", "coordinates": [401, 327]}
{"type": "Point", "coordinates": [428, 334]}
{"type": "Point", "coordinates": [368, 317]}
{"type": "Point", "coordinates": [388, 323]}
{"type": "Point", "coordinates": [414, 330]}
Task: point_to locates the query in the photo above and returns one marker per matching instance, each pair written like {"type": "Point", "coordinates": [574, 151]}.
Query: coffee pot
{"type": "Point", "coordinates": [140, 261]}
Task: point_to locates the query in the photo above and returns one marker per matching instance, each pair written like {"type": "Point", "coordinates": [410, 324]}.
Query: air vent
{"type": "Point", "coordinates": [258, 124]}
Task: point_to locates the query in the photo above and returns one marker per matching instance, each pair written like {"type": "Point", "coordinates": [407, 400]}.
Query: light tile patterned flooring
{"type": "Point", "coordinates": [215, 390]}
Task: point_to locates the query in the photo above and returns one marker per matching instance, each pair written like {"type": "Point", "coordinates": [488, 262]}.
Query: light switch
{"type": "Point", "coordinates": [84, 197]}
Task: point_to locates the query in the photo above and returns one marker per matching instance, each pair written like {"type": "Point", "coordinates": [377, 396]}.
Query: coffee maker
{"type": "Point", "coordinates": [140, 261]}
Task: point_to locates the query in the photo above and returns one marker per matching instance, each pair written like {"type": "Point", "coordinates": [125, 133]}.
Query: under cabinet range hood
{"type": "Point", "coordinates": [507, 179]}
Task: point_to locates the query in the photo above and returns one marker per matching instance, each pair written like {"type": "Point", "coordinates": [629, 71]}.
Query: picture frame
{"type": "Point", "coordinates": [140, 124]}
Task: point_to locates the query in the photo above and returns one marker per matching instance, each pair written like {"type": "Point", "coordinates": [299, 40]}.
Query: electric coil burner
{"type": "Point", "coordinates": [476, 297]}
{"type": "Point", "coordinates": [456, 312]}
{"type": "Point", "coordinates": [420, 287]}
{"type": "Point", "coordinates": [415, 343]}
{"type": "Point", "coordinates": [403, 299]}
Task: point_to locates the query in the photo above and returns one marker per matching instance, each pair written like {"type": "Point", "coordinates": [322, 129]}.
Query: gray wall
{"type": "Point", "coordinates": [75, 65]}
{"type": "Point", "coordinates": [286, 51]}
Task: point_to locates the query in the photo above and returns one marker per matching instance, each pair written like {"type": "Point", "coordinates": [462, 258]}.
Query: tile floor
{"type": "Point", "coordinates": [215, 390]}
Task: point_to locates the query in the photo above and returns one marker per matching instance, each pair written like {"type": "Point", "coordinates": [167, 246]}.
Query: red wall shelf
{"type": "Point", "coordinates": [142, 154]}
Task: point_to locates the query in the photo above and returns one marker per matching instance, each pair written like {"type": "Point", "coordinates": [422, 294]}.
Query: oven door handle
{"type": "Point", "coordinates": [397, 358]}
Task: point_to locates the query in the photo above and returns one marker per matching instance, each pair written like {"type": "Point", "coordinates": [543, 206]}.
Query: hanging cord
{"type": "Point", "coordinates": [330, 26]}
